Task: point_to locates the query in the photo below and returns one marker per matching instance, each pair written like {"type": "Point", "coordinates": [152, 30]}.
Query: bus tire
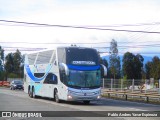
{"type": "Point", "coordinates": [56, 97]}
{"type": "Point", "coordinates": [30, 92]}
{"type": "Point", "coordinates": [33, 91]}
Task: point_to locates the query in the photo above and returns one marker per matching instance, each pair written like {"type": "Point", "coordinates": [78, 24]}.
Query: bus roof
{"type": "Point", "coordinates": [57, 48]}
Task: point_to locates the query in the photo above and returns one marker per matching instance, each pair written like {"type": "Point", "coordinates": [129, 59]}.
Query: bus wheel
{"type": "Point", "coordinates": [31, 93]}
{"type": "Point", "coordinates": [56, 96]}
{"type": "Point", "coordinates": [34, 95]}
{"type": "Point", "coordinates": [86, 102]}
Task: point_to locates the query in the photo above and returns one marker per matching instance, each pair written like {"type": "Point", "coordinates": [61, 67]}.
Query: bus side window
{"type": "Point", "coordinates": [51, 79]}
{"type": "Point", "coordinates": [62, 76]}
{"type": "Point", "coordinates": [46, 81]}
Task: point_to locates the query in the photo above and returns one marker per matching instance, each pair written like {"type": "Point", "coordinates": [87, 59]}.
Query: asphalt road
{"type": "Point", "coordinates": [17, 100]}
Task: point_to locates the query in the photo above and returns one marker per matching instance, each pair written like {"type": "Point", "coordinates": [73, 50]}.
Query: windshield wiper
{"type": "Point", "coordinates": [94, 87]}
{"type": "Point", "coordinates": [74, 86]}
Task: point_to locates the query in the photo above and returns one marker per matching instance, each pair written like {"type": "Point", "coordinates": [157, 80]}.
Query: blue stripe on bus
{"type": "Point", "coordinates": [32, 77]}
{"type": "Point", "coordinates": [37, 88]}
{"type": "Point", "coordinates": [84, 68]}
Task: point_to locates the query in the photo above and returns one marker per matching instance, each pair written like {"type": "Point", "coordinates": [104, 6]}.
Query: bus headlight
{"type": "Point", "coordinates": [69, 97]}
{"type": "Point", "coordinates": [98, 97]}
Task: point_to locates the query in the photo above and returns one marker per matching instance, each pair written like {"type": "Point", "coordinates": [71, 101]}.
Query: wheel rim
{"type": "Point", "coordinates": [33, 93]}
{"type": "Point", "coordinates": [30, 93]}
{"type": "Point", "coordinates": [56, 97]}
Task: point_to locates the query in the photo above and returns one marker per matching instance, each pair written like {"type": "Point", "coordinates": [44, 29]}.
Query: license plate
{"type": "Point", "coordinates": [86, 98]}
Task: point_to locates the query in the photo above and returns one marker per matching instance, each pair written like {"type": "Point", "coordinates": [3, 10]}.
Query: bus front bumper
{"type": "Point", "coordinates": [79, 96]}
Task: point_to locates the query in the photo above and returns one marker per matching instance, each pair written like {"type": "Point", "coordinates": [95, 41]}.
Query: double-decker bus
{"type": "Point", "coordinates": [64, 73]}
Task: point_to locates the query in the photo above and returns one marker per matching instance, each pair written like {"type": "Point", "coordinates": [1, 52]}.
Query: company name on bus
{"type": "Point", "coordinates": [83, 63]}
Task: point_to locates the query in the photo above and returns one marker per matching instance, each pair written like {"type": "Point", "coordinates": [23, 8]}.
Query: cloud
{"type": "Point", "coordinates": [85, 12]}
{"type": "Point", "coordinates": [79, 13]}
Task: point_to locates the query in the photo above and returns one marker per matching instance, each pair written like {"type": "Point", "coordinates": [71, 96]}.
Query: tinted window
{"type": "Point", "coordinates": [18, 82]}
{"type": "Point", "coordinates": [38, 75]}
{"type": "Point", "coordinates": [63, 76]}
{"type": "Point", "coordinates": [84, 79]}
{"type": "Point", "coordinates": [51, 79]}
{"type": "Point", "coordinates": [80, 56]}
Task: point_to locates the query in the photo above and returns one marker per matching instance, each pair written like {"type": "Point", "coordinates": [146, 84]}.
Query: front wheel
{"type": "Point", "coordinates": [56, 97]}
{"type": "Point", "coordinates": [34, 95]}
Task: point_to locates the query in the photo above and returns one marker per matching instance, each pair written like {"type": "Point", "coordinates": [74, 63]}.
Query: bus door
{"type": "Point", "coordinates": [49, 83]}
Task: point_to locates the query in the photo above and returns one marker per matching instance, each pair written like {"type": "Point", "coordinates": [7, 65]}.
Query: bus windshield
{"type": "Point", "coordinates": [84, 79]}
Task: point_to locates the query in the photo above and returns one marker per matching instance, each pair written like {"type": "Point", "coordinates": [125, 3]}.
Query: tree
{"type": "Point", "coordinates": [148, 67]}
{"type": "Point", "coordinates": [9, 63]}
{"type": "Point", "coordinates": [2, 73]}
{"type": "Point", "coordinates": [17, 60]}
{"type": "Point", "coordinates": [1, 53]}
{"type": "Point", "coordinates": [114, 60]}
{"type": "Point", "coordinates": [132, 65]}
{"type": "Point", "coordinates": [128, 59]}
{"type": "Point", "coordinates": [13, 64]}
{"type": "Point", "coordinates": [138, 66]}
{"type": "Point", "coordinates": [155, 68]}
{"type": "Point", "coordinates": [1, 65]}
{"type": "Point", "coordinates": [1, 58]}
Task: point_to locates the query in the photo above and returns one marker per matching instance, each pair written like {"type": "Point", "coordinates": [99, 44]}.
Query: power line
{"type": "Point", "coordinates": [102, 42]}
{"type": "Point", "coordinates": [125, 25]}
{"type": "Point", "coordinates": [50, 43]}
{"type": "Point", "coordinates": [114, 25]}
{"type": "Point", "coordinates": [134, 52]}
{"type": "Point", "coordinates": [99, 47]}
{"type": "Point", "coordinates": [80, 27]}
{"type": "Point", "coordinates": [6, 48]}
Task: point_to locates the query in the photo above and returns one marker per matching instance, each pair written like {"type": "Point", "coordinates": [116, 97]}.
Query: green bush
{"type": "Point", "coordinates": [2, 75]}
{"type": "Point", "coordinates": [12, 75]}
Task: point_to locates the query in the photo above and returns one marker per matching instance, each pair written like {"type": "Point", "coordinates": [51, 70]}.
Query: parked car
{"type": "Point", "coordinates": [16, 84]}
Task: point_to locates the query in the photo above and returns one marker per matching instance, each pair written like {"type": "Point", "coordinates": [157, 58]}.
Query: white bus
{"type": "Point", "coordinates": [64, 73]}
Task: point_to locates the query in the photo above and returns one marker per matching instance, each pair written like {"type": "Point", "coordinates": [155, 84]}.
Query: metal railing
{"type": "Point", "coordinates": [130, 84]}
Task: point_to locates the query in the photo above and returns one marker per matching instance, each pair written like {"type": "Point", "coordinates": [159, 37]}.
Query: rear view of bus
{"type": "Point", "coordinates": [80, 72]}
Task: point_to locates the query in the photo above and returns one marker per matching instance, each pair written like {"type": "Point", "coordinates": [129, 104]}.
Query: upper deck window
{"type": "Point", "coordinates": [80, 56]}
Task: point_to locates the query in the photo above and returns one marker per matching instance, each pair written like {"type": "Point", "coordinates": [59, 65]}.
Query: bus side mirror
{"type": "Point", "coordinates": [63, 67]}
{"type": "Point", "coordinates": [103, 70]}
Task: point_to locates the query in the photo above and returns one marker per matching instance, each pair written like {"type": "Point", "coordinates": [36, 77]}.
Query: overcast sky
{"type": "Point", "coordinates": [134, 15]}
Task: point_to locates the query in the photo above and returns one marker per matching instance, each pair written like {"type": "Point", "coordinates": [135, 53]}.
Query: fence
{"type": "Point", "coordinates": [131, 84]}
{"type": "Point", "coordinates": [146, 90]}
